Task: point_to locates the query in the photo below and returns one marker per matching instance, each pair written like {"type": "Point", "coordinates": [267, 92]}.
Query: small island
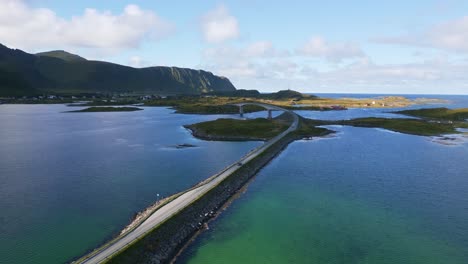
{"type": "Point", "coordinates": [263, 129]}
{"type": "Point", "coordinates": [107, 109]}
{"type": "Point", "coordinates": [184, 145]}
{"type": "Point", "coordinates": [226, 129]}
{"type": "Point", "coordinates": [460, 114]}
{"type": "Point", "coordinates": [433, 122]}
{"type": "Point", "coordinates": [406, 126]}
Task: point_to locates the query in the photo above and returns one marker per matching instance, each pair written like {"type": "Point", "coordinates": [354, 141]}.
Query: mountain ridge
{"type": "Point", "coordinates": [61, 54]}
{"type": "Point", "coordinates": [22, 73]}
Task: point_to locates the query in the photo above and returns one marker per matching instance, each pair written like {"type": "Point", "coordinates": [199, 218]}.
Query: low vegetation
{"type": "Point", "coordinates": [222, 102]}
{"type": "Point", "coordinates": [204, 104]}
{"type": "Point", "coordinates": [236, 129]}
{"type": "Point", "coordinates": [309, 128]}
{"type": "Point", "coordinates": [107, 109]}
{"type": "Point", "coordinates": [232, 129]}
{"type": "Point", "coordinates": [402, 125]}
{"type": "Point", "coordinates": [460, 114]}
{"type": "Point", "coordinates": [407, 126]}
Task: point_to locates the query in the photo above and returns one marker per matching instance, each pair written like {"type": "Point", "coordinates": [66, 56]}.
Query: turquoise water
{"type": "Point", "coordinates": [68, 181]}
{"type": "Point", "coordinates": [364, 196]}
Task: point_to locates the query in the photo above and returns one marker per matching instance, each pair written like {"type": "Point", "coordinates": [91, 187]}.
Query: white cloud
{"type": "Point", "coordinates": [138, 62]}
{"type": "Point", "coordinates": [437, 75]}
{"type": "Point", "coordinates": [259, 59]}
{"type": "Point", "coordinates": [219, 26]}
{"type": "Point", "coordinates": [260, 48]}
{"type": "Point", "coordinates": [255, 50]}
{"type": "Point", "coordinates": [22, 26]}
{"type": "Point", "coordinates": [319, 47]}
{"type": "Point", "coordinates": [433, 76]}
{"type": "Point", "coordinates": [451, 36]}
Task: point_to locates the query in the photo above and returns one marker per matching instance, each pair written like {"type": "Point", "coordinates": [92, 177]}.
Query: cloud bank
{"type": "Point", "coordinates": [24, 27]}
{"type": "Point", "coordinates": [319, 47]}
{"type": "Point", "coordinates": [219, 26]}
{"type": "Point", "coordinates": [449, 36]}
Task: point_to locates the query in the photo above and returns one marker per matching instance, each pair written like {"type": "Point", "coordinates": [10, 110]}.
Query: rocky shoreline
{"type": "Point", "coordinates": [165, 243]}
{"type": "Point", "coordinates": [143, 215]}
{"type": "Point", "coordinates": [202, 135]}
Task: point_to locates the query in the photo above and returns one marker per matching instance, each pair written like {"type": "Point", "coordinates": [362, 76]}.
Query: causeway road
{"type": "Point", "coordinates": [167, 211]}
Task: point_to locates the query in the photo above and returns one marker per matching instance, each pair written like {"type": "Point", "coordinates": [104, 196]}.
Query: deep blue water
{"type": "Point", "coordinates": [68, 181]}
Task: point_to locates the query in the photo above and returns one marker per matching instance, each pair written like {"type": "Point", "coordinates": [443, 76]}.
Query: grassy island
{"type": "Point", "coordinates": [255, 129]}
{"type": "Point", "coordinates": [460, 114]}
{"type": "Point", "coordinates": [407, 126]}
{"type": "Point", "coordinates": [107, 109]}
{"type": "Point", "coordinates": [433, 122]}
{"type": "Point", "coordinates": [236, 129]}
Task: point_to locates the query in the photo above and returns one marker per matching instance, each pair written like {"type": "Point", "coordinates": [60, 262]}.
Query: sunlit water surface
{"type": "Point", "coordinates": [365, 195]}
{"type": "Point", "coordinates": [69, 181]}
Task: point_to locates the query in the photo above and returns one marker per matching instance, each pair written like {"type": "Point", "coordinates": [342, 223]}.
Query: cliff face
{"type": "Point", "coordinates": [59, 71]}
{"type": "Point", "coordinates": [200, 81]}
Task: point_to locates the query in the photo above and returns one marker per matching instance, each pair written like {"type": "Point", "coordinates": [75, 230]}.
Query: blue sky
{"type": "Point", "coordinates": [311, 46]}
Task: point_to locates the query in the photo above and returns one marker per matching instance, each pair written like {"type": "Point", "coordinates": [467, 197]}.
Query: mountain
{"type": "Point", "coordinates": [22, 73]}
{"type": "Point", "coordinates": [61, 54]}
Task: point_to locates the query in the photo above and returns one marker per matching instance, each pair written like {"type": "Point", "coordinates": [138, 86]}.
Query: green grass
{"type": "Point", "coordinates": [234, 129]}
{"type": "Point", "coordinates": [308, 128]}
{"type": "Point", "coordinates": [107, 109]}
{"type": "Point", "coordinates": [461, 124]}
{"type": "Point", "coordinates": [407, 126]}
{"type": "Point", "coordinates": [204, 105]}
{"type": "Point", "coordinates": [442, 113]}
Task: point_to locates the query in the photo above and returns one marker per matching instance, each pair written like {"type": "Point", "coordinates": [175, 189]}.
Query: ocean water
{"type": "Point", "coordinates": [365, 195]}
{"type": "Point", "coordinates": [69, 181]}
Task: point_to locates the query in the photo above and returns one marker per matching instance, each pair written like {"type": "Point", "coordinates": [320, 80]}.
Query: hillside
{"type": "Point", "coordinates": [61, 54]}
{"type": "Point", "coordinates": [22, 73]}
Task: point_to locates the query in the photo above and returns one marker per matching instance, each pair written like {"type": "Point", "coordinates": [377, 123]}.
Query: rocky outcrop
{"type": "Point", "coordinates": [201, 134]}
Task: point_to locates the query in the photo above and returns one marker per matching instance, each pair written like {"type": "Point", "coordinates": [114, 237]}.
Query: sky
{"type": "Point", "coordinates": [386, 47]}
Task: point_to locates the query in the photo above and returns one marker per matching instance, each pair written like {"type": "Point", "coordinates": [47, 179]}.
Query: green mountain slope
{"type": "Point", "coordinates": [61, 54]}
{"type": "Point", "coordinates": [22, 73]}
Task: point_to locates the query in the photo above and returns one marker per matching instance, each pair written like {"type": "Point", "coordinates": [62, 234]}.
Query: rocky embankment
{"type": "Point", "coordinates": [165, 242]}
